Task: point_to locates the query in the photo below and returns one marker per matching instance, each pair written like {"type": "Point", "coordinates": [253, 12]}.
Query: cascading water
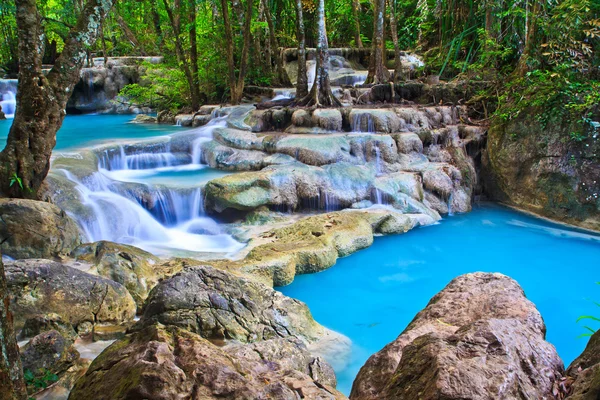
{"type": "Point", "coordinates": [8, 91]}
{"type": "Point", "coordinates": [158, 218]}
{"type": "Point", "coordinates": [362, 122]}
{"type": "Point", "coordinates": [282, 94]}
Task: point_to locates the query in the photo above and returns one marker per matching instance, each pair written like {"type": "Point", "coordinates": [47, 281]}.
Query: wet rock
{"type": "Point", "coordinates": [36, 229]}
{"type": "Point", "coordinates": [327, 118]}
{"type": "Point", "coordinates": [171, 363]}
{"type": "Point", "coordinates": [479, 338]}
{"type": "Point", "coordinates": [48, 353]}
{"type": "Point", "coordinates": [165, 117]}
{"type": "Point", "coordinates": [302, 117]}
{"type": "Point", "coordinates": [219, 305]}
{"type": "Point", "coordinates": [41, 287]}
{"type": "Point", "coordinates": [136, 269]}
{"type": "Point", "coordinates": [201, 120]}
{"type": "Point", "coordinates": [314, 243]}
{"type": "Point", "coordinates": [583, 374]}
{"type": "Point", "coordinates": [143, 119]}
{"type": "Point", "coordinates": [374, 120]}
{"type": "Point", "coordinates": [543, 170]}
{"type": "Point", "coordinates": [184, 119]}
{"type": "Point", "coordinates": [408, 142]}
{"type": "Point", "coordinates": [43, 323]}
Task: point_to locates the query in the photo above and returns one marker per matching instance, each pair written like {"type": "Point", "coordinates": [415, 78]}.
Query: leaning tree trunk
{"type": "Point", "coordinates": [378, 72]}
{"type": "Point", "coordinates": [321, 94]}
{"type": "Point", "coordinates": [394, 28]}
{"type": "Point", "coordinates": [357, 40]}
{"type": "Point", "coordinates": [41, 99]}
{"type": "Point", "coordinates": [244, 58]}
{"type": "Point", "coordinates": [302, 81]}
{"type": "Point", "coordinates": [12, 384]}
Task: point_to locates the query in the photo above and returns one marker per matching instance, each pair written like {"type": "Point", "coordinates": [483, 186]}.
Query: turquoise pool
{"type": "Point", "coordinates": [87, 130]}
{"type": "Point", "coordinates": [372, 295]}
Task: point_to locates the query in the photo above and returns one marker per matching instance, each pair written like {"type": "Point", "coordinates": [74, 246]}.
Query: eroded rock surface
{"type": "Point", "coordinates": [136, 269]}
{"type": "Point", "coordinates": [41, 287]}
{"type": "Point", "coordinates": [171, 363]}
{"type": "Point", "coordinates": [585, 371]}
{"type": "Point", "coordinates": [479, 338]}
{"type": "Point", "coordinates": [36, 229]}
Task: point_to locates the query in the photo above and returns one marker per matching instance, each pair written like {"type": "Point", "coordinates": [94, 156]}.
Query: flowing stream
{"type": "Point", "coordinates": [372, 295]}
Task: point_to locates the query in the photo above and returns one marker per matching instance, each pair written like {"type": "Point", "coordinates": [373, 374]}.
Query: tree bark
{"type": "Point", "coordinates": [394, 28]}
{"type": "Point", "coordinates": [302, 81]}
{"type": "Point", "coordinates": [175, 20]}
{"type": "Point", "coordinates": [12, 383]}
{"type": "Point", "coordinates": [357, 40]}
{"type": "Point", "coordinates": [378, 72]}
{"type": "Point", "coordinates": [282, 76]}
{"type": "Point", "coordinates": [41, 99]}
{"type": "Point", "coordinates": [320, 94]}
{"type": "Point", "coordinates": [236, 85]}
{"type": "Point", "coordinates": [531, 27]}
{"type": "Point", "coordinates": [194, 47]}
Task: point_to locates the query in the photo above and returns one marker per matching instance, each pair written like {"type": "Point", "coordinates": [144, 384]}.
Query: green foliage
{"type": "Point", "coordinates": [41, 381]}
{"type": "Point", "coordinates": [15, 179]}
{"type": "Point", "coordinates": [161, 87]}
{"type": "Point", "coordinates": [590, 331]}
{"type": "Point", "coordinates": [560, 98]}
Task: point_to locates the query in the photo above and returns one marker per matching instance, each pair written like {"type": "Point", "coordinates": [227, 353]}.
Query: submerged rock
{"type": "Point", "coordinates": [479, 338]}
{"type": "Point", "coordinates": [171, 363]}
{"type": "Point", "coordinates": [41, 287]}
{"type": "Point", "coordinates": [144, 119]}
{"type": "Point", "coordinates": [136, 269]}
{"type": "Point", "coordinates": [314, 243]}
{"type": "Point", "coordinates": [36, 229]}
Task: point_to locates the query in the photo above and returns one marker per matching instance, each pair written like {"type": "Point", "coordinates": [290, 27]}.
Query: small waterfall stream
{"type": "Point", "coordinates": [8, 92]}
{"type": "Point", "coordinates": [122, 205]}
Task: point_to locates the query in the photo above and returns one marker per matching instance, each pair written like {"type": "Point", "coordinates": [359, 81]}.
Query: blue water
{"type": "Point", "coordinates": [86, 130]}
{"type": "Point", "coordinates": [372, 295]}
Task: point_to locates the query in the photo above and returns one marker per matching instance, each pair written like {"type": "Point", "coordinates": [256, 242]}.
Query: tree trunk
{"type": "Point", "coordinates": [194, 48]}
{"type": "Point", "coordinates": [175, 20]}
{"type": "Point", "coordinates": [378, 72]}
{"type": "Point", "coordinates": [531, 27]}
{"type": "Point", "coordinates": [237, 85]}
{"type": "Point", "coordinates": [302, 81]}
{"type": "Point", "coordinates": [41, 99]}
{"type": "Point", "coordinates": [282, 76]}
{"type": "Point", "coordinates": [12, 384]}
{"type": "Point", "coordinates": [320, 94]}
{"type": "Point", "coordinates": [246, 47]}
{"type": "Point", "coordinates": [394, 28]}
{"type": "Point", "coordinates": [357, 40]}
{"type": "Point", "coordinates": [229, 44]}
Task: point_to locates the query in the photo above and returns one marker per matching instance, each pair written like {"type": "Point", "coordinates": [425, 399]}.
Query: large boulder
{"type": "Point", "coordinates": [136, 269]}
{"type": "Point", "coordinates": [171, 363]}
{"type": "Point", "coordinates": [48, 353]}
{"type": "Point", "coordinates": [584, 372]}
{"type": "Point", "coordinates": [40, 287]}
{"type": "Point", "coordinates": [36, 229]}
{"type": "Point", "coordinates": [219, 305]}
{"type": "Point", "coordinates": [479, 338]}
{"type": "Point", "coordinates": [544, 170]}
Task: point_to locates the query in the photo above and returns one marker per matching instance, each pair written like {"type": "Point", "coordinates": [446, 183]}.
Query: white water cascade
{"type": "Point", "coordinates": [8, 92]}
{"type": "Point", "coordinates": [121, 204]}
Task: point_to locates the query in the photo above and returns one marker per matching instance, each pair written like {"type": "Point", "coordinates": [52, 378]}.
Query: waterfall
{"type": "Point", "coordinates": [176, 220]}
{"type": "Point", "coordinates": [360, 120]}
{"type": "Point", "coordinates": [8, 91]}
{"type": "Point", "coordinates": [282, 94]}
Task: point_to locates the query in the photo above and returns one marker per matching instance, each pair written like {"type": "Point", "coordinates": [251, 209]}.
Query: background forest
{"type": "Point", "coordinates": [547, 48]}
